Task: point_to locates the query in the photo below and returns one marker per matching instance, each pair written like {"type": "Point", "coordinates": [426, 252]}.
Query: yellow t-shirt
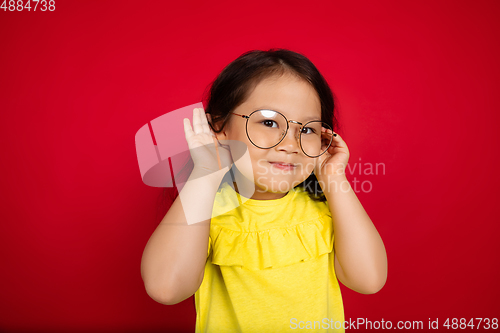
{"type": "Point", "coordinates": [270, 267]}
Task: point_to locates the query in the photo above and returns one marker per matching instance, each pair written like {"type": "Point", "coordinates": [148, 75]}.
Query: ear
{"type": "Point", "coordinates": [220, 136]}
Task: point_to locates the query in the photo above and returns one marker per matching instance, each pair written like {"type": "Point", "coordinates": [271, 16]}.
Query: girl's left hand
{"type": "Point", "coordinates": [334, 161]}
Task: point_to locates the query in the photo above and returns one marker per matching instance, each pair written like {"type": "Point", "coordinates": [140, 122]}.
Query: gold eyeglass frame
{"type": "Point", "coordinates": [286, 131]}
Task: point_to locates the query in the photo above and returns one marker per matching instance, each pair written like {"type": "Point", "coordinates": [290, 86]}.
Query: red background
{"type": "Point", "coordinates": [417, 84]}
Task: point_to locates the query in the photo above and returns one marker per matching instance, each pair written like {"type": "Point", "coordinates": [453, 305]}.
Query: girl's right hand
{"type": "Point", "coordinates": [201, 142]}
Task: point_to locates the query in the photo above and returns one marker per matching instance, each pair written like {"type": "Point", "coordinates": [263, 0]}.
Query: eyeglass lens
{"type": "Point", "coordinates": [266, 128]}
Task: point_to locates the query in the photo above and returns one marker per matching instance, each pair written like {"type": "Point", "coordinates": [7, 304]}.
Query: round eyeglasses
{"type": "Point", "coordinates": [267, 128]}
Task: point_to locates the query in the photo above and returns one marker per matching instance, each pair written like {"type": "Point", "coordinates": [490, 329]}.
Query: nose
{"type": "Point", "coordinates": [290, 142]}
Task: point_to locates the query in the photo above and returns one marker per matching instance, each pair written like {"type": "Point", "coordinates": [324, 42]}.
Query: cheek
{"type": "Point", "coordinates": [250, 164]}
{"type": "Point", "coordinates": [307, 169]}
{"type": "Point", "coordinates": [259, 162]}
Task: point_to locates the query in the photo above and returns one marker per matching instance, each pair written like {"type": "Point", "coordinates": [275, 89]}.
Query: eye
{"type": "Point", "coordinates": [308, 130]}
{"type": "Point", "coordinates": [269, 123]}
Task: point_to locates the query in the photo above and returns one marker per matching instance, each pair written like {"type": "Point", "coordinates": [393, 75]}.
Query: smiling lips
{"type": "Point", "coordinates": [283, 166]}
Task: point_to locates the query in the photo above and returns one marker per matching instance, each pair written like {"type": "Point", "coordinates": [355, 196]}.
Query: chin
{"type": "Point", "coordinates": [277, 186]}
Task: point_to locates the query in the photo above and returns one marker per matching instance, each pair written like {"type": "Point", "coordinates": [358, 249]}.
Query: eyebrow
{"type": "Point", "coordinates": [303, 121]}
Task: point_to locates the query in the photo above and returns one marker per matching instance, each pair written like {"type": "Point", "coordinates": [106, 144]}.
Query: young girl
{"type": "Point", "coordinates": [274, 255]}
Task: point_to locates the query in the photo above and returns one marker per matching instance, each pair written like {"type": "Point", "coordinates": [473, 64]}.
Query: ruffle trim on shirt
{"type": "Point", "coordinates": [272, 248]}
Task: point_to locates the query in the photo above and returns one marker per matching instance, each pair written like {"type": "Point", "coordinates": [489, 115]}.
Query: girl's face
{"type": "Point", "coordinates": [297, 100]}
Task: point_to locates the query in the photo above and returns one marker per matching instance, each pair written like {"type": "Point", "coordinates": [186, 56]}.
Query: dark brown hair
{"type": "Point", "coordinates": [236, 81]}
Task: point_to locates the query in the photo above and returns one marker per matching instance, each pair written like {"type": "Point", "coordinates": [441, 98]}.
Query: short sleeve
{"type": "Point", "coordinates": [209, 246]}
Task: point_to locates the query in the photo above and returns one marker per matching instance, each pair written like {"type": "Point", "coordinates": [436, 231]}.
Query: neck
{"type": "Point", "coordinates": [249, 189]}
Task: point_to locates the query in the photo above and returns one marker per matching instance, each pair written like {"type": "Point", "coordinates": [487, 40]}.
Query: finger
{"type": "Point", "coordinates": [339, 142]}
{"type": "Point", "coordinates": [210, 125]}
{"type": "Point", "coordinates": [197, 121]}
{"type": "Point", "coordinates": [204, 122]}
{"type": "Point", "coordinates": [327, 138]}
{"type": "Point", "coordinates": [188, 131]}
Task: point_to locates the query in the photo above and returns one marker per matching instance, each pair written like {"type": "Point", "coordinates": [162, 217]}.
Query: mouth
{"type": "Point", "coordinates": [283, 166]}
